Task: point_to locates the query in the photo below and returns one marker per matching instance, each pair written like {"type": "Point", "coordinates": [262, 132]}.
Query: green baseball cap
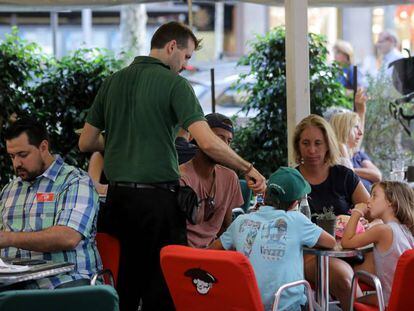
{"type": "Point", "coordinates": [287, 185]}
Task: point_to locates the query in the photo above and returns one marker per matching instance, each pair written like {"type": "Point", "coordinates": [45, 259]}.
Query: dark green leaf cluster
{"type": "Point", "coordinates": [57, 92]}
{"type": "Point", "coordinates": [264, 140]}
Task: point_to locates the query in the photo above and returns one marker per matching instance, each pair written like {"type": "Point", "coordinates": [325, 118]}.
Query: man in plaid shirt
{"type": "Point", "coordinates": [49, 211]}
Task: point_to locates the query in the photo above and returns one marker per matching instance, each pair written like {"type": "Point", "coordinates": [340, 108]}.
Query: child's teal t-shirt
{"type": "Point", "coordinates": [273, 241]}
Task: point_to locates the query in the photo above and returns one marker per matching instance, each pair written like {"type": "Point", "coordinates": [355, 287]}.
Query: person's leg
{"type": "Point", "coordinates": [164, 225]}
{"type": "Point", "coordinates": [370, 299]}
{"type": "Point", "coordinates": [124, 224]}
{"type": "Point", "coordinates": [340, 278]}
{"type": "Point", "coordinates": [368, 264]}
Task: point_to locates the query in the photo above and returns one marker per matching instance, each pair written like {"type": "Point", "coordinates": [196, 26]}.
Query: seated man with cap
{"type": "Point", "coordinates": [274, 236]}
{"type": "Point", "coordinates": [216, 186]}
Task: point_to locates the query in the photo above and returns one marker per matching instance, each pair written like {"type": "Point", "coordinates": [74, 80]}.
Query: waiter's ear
{"type": "Point", "coordinates": [170, 46]}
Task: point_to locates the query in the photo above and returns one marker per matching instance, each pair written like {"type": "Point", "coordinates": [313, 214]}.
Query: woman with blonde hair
{"type": "Point", "coordinates": [348, 130]}
{"type": "Point", "coordinates": [346, 126]}
{"type": "Point", "coordinates": [317, 154]}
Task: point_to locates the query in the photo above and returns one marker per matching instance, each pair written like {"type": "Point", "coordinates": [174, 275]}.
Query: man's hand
{"type": "Point", "coordinates": [360, 101]}
{"type": "Point", "coordinates": [256, 181]}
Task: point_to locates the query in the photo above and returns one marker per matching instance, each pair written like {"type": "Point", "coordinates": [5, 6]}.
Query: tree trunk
{"type": "Point", "coordinates": [133, 30]}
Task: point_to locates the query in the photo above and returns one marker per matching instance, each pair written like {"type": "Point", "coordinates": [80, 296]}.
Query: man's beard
{"type": "Point", "coordinates": [26, 175]}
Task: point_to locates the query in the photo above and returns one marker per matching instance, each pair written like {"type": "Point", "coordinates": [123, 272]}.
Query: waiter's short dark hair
{"type": "Point", "coordinates": [35, 131]}
{"type": "Point", "coordinates": [174, 31]}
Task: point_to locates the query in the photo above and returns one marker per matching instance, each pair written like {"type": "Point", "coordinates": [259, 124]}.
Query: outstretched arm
{"type": "Point", "coordinates": [213, 146]}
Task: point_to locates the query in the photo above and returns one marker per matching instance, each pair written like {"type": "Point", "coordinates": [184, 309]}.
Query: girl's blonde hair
{"type": "Point", "coordinates": [342, 124]}
{"type": "Point", "coordinates": [401, 197]}
{"type": "Point", "coordinates": [332, 155]}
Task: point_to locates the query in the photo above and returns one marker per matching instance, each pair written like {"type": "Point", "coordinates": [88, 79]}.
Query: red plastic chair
{"type": "Point", "coordinates": [402, 287]}
{"type": "Point", "coordinates": [200, 279]}
{"type": "Point", "coordinates": [110, 250]}
{"type": "Point", "coordinates": [210, 280]}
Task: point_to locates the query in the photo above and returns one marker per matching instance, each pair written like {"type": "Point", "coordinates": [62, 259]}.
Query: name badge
{"type": "Point", "coordinates": [45, 196]}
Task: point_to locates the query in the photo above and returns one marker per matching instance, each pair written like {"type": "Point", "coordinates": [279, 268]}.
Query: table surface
{"type": "Point", "coordinates": [36, 272]}
{"type": "Point", "coordinates": [337, 251]}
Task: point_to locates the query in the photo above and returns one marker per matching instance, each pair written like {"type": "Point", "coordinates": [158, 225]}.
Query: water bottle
{"type": "Point", "coordinates": [259, 200]}
{"type": "Point", "coordinates": [304, 207]}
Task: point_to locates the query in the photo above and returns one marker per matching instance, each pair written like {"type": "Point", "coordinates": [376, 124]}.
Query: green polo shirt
{"type": "Point", "coordinates": [139, 107]}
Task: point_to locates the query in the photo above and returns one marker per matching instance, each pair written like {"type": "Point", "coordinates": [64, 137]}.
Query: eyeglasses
{"type": "Point", "coordinates": [209, 207]}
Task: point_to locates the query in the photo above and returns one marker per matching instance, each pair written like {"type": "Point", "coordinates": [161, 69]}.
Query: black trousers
{"type": "Point", "coordinates": [144, 220]}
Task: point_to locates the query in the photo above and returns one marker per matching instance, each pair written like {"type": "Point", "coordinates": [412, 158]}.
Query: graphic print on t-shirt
{"type": "Point", "coordinates": [273, 239]}
{"type": "Point", "coordinates": [253, 228]}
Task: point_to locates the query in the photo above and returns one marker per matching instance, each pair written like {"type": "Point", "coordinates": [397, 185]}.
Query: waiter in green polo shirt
{"type": "Point", "coordinates": [140, 107]}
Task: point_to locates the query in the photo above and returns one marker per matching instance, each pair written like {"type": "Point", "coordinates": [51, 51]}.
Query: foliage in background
{"type": "Point", "coordinates": [64, 95]}
{"type": "Point", "coordinates": [384, 138]}
{"type": "Point", "coordinates": [57, 92]}
{"type": "Point", "coordinates": [263, 141]}
{"type": "Point", "coordinates": [20, 65]}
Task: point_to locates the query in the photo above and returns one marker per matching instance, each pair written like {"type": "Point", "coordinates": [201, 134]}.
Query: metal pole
{"type": "Point", "coordinates": [219, 29]}
{"type": "Point", "coordinates": [54, 23]}
{"type": "Point", "coordinates": [297, 67]}
{"type": "Point", "coordinates": [355, 83]}
{"type": "Point", "coordinates": [190, 13]}
{"type": "Point", "coordinates": [87, 27]}
{"type": "Point", "coordinates": [323, 282]}
{"type": "Point", "coordinates": [213, 93]}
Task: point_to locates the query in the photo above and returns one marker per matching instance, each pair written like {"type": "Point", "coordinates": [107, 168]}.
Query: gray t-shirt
{"type": "Point", "coordinates": [386, 262]}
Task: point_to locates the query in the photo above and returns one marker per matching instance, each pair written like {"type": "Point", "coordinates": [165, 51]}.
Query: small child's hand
{"type": "Point", "coordinates": [363, 207]}
{"type": "Point", "coordinates": [364, 223]}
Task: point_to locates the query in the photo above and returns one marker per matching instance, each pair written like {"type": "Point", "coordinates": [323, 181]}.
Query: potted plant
{"type": "Point", "coordinates": [326, 220]}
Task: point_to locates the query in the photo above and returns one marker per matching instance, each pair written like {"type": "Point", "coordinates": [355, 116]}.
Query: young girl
{"type": "Point", "coordinates": [393, 203]}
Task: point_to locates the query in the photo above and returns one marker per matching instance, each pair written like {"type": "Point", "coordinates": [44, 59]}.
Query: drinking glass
{"type": "Point", "coordinates": [398, 165]}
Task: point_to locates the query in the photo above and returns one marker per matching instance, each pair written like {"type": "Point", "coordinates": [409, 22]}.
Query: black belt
{"type": "Point", "coordinates": [171, 186]}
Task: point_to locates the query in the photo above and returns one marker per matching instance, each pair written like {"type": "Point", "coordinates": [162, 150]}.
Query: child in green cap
{"type": "Point", "coordinates": [273, 237]}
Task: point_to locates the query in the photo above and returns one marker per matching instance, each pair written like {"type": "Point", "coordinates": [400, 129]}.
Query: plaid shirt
{"type": "Point", "coordinates": [63, 195]}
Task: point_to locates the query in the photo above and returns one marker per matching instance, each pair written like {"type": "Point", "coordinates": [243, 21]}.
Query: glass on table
{"type": "Point", "coordinates": [398, 165]}
{"type": "Point", "coordinates": [397, 176]}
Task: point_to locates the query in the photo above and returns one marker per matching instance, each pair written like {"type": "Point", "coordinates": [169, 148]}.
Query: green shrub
{"type": "Point", "coordinates": [64, 95]}
{"type": "Point", "coordinates": [264, 140]}
{"type": "Point", "coordinates": [57, 92]}
{"type": "Point", "coordinates": [384, 138]}
{"type": "Point", "coordinates": [20, 65]}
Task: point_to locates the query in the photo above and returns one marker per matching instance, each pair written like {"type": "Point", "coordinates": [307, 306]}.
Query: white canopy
{"type": "Point", "coordinates": [56, 5]}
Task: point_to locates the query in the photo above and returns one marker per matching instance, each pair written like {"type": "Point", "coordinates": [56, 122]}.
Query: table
{"type": "Point", "coordinates": [36, 272]}
{"type": "Point", "coordinates": [322, 268]}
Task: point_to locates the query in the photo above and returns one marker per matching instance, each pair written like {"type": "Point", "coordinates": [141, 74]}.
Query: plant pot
{"type": "Point", "coordinates": [327, 224]}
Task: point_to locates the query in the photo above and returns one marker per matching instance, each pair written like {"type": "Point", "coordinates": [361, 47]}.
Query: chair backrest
{"type": "Point", "coordinates": [82, 298]}
{"type": "Point", "coordinates": [110, 250]}
{"type": "Point", "coordinates": [246, 193]}
{"type": "Point", "coordinates": [403, 284]}
{"type": "Point", "coordinates": [200, 279]}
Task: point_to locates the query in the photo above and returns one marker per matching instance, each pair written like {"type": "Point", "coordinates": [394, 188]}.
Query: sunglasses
{"type": "Point", "coordinates": [209, 207]}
